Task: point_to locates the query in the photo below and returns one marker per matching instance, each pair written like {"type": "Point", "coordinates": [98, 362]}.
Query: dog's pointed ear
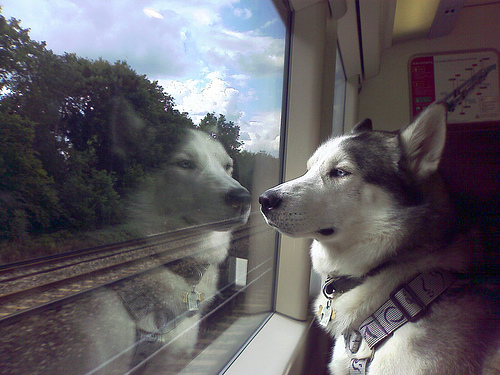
{"type": "Point", "coordinates": [423, 140]}
{"type": "Point", "coordinates": [363, 126]}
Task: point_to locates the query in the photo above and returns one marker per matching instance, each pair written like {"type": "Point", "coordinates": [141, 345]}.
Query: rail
{"type": "Point", "coordinates": [28, 286]}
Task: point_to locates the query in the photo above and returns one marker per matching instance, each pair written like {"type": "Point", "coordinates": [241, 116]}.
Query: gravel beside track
{"type": "Point", "coordinates": [39, 283]}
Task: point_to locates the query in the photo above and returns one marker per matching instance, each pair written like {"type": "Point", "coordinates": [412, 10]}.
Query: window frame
{"type": "Point", "coordinates": [268, 315]}
{"type": "Point", "coordinates": [310, 83]}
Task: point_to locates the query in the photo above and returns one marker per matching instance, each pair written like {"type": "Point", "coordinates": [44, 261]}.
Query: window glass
{"type": "Point", "coordinates": [339, 96]}
{"type": "Point", "coordinates": [135, 139]}
{"type": "Point", "coordinates": [315, 282]}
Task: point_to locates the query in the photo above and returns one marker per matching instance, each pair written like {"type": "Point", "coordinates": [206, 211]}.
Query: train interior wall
{"type": "Point", "coordinates": [385, 97]}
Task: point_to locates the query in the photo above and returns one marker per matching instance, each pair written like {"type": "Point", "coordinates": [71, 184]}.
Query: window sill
{"type": "Point", "coordinates": [273, 349]}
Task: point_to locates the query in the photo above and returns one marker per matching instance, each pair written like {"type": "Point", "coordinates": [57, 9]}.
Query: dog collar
{"type": "Point", "coordinates": [406, 303]}
{"type": "Point", "coordinates": [192, 271]}
{"type": "Point", "coordinates": [140, 303]}
{"type": "Point", "coordinates": [332, 286]}
{"type": "Point", "coordinates": [189, 269]}
{"type": "Point", "coordinates": [342, 284]}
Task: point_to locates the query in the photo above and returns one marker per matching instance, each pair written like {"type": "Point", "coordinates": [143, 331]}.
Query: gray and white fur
{"type": "Point", "coordinates": [378, 212]}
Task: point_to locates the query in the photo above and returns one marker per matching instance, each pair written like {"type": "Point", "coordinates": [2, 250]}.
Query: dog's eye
{"type": "Point", "coordinates": [228, 167]}
{"type": "Point", "coordinates": [337, 172]}
{"type": "Point", "coordinates": [186, 164]}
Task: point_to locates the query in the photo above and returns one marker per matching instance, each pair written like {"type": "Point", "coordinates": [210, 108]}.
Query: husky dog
{"type": "Point", "coordinates": [399, 297]}
{"type": "Point", "coordinates": [194, 189]}
{"type": "Point", "coordinates": [114, 330]}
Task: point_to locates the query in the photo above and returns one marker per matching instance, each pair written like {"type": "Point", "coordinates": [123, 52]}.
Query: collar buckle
{"type": "Point", "coordinates": [339, 285]}
{"type": "Point", "coordinates": [329, 288]}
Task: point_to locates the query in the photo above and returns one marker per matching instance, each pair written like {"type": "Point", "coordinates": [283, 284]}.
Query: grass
{"type": "Point", "coordinates": [62, 241]}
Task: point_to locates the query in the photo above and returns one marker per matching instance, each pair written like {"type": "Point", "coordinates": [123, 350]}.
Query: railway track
{"type": "Point", "coordinates": [29, 286]}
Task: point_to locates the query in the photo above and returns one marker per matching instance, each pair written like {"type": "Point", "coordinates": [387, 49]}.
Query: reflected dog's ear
{"type": "Point", "coordinates": [363, 126]}
{"type": "Point", "coordinates": [423, 140]}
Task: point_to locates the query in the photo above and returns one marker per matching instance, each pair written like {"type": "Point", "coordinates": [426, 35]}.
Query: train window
{"type": "Point", "coordinates": [134, 142]}
{"type": "Point", "coordinates": [339, 96]}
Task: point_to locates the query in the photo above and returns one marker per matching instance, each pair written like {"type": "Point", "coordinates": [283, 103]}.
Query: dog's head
{"type": "Point", "coordinates": [361, 189]}
{"type": "Point", "coordinates": [196, 188]}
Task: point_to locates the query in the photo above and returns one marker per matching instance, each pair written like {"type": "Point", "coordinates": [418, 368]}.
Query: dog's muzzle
{"type": "Point", "coordinates": [237, 202]}
{"type": "Point", "coordinates": [238, 198]}
{"type": "Point", "coordinates": [269, 201]}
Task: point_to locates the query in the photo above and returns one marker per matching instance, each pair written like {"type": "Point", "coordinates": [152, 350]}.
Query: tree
{"type": "Point", "coordinates": [225, 131]}
{"type": "Point", "coordinates": [28, 199]}
{"type": "Point", "coordinates": [17, 53]}
{"type": "Point", "coordinates": [130, 119]}
{"type": "Point", "coordinates": [89, 131]}
{"type": "Point", "coordinates": [87, 194]}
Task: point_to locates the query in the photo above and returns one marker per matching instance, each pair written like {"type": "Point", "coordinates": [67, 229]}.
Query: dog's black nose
{"type": "Point", "coordinates": [269, 200]}
{"type": "Point", "coordinates": [238, 197]}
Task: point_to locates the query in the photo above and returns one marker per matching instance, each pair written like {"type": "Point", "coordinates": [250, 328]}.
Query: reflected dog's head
{"type": "Point", "coordinates": [365, 195]}
{"type": "Point", "coordinates": [196, 188]}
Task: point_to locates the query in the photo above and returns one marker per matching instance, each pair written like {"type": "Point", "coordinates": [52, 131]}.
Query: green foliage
{"type": "Point", "coordinates": [245, 163]}
{"type": "Point", "coordinates": [87, 194]}
{"type": "Point", "coordinates": [225, 131]}
{"type": "Point", "coordinates": [17, 54]}
{"type": "Point", "coordinates": [77, 136]}
{"type": "Point", "coordinates": [28, 200]}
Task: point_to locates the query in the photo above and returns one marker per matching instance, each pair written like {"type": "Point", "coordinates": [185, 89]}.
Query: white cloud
{"type": "Point", "coordinates": [148, 35]}
{"type": "Point", "coordinates": [198, 13]}
{"type": "Point", "coordinates": [212, 93]}
{"type": "Point", "coordinates": [203, 17]}
{"type": "Point", "coordinates": [243, 13]}
{"type": "Point", "coordinates": [247, 52]}
{"type": "Point", "coordinates": [241, 79]}
{"type": "Point", "coordinates": [223, 45]}
{"type": "Point", "coordinates": [113, 30]}
{"type": "Point", "coordinates": [152, 13]}
{"type": "Point", "coordinates": [270, 23]}
{"type": "Point", "coordinates": [208, 64]}
{"type": "Point", "coordinates": [262, 132]}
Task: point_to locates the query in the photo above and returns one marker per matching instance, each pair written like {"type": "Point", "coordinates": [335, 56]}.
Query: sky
{"type": "Point", "coordinates": [221, 56]}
